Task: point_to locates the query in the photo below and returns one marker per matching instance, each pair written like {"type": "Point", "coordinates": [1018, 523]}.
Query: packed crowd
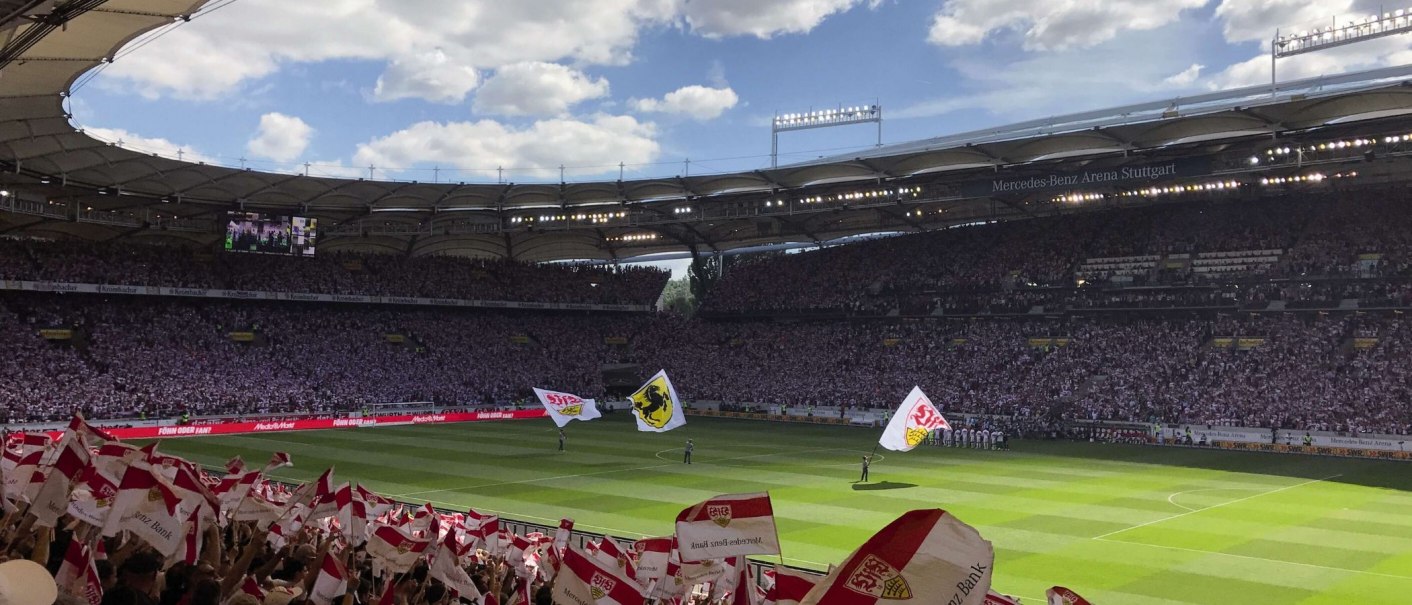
{"type": "Point", "coordinates": [329, 273]}
{"type": "Point", "coordinates": [96, 521]}
{"type": "Point", "coordinates": [1327, 248]}
{"type": "Point", "coordinates": [131, 357]}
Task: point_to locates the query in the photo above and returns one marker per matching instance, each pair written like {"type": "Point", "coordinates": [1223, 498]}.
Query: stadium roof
{"type": "Point", "coordinates": [50, 45]}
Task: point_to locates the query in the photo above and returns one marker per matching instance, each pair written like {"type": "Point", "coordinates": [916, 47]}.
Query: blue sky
{"type": "Point", "coordinates": [465, 87]}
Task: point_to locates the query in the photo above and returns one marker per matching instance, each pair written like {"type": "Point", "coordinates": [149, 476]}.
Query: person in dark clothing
{"type": "Point", "coordinates": [561, 440]}
{"type": "Point", "coordinates": [137, 580]}
{"type": "Point", "coordinates": [867, 460]}
{"type": "Point", "coordinates": [686, 452]}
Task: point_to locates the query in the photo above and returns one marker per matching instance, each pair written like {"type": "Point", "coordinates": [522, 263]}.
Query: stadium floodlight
{"type": "Point", "coordinates": [825, 118]}
{"type": "Point", "coordinates": [1334, 35]}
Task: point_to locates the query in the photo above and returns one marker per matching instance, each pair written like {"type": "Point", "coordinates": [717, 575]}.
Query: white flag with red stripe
{"type": "Point", "coordinates": [147, 507]}
{"type": "Point", "coordinates": [914, 419]}
{"type": "Point", "coordinates": [332, 582]}
{"type": "Point", "coordinates": [394, 550]}
{"type": "Point", "coordinates": [924, 553]}
{"type": "Point", "coordinates": [584, 581]}
{"type": "Point", "coordinates": [790, 586]}
{"type": "Point", "coordinates": [1059, 595]}
{"type": "Point", "coordinates": [52, 500]}
{"type": "Point", "coordinates": [446, 568]}
{"type": "Point", "coordinates": [78, 575]}
{"type": "Point", "coordinates": [728, 525]}
{"type": "Point", "coordinates": [652, 555]}
{"type": "Point", "coordinates": [561, 535]}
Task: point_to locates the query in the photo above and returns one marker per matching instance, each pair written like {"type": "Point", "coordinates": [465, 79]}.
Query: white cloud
{"type": "Point", "coordinates": [696, 102]}
{"type": "Point", "coordinates": [429, 75]}
{"type": "Point", "coordinates": [762, 18]}
{"type": "Point", "coordinates": [250, 39]}
{"type": "Point", "coordinates": [136, 142]}
{"type": "Point", "coordinates": [536, 88]}
{"type": "Point", "coordinates": [280, 138]}
{"type": "Point", "coordinates": [1365, 55]}
{"type": "Point", "coordinates": [585, 147]}
{"type": "Point", "coordinates": [1051, 25]}
{"type": "Point", "coordinates": [1184, 77]}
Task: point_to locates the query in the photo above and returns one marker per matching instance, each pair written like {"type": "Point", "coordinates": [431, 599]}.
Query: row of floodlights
{"type": "Point", "coordinates": [635, 237]}
{"type": "Point", "coordinates": [1327, 31]}
{"type": "Point", "coordinates": [825, 115]}
{"type": "Point", "coordinates": [595, 218]}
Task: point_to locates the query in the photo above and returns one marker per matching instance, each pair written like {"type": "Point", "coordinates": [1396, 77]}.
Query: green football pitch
{"type": "Point", "coordinates": [1127, 525]}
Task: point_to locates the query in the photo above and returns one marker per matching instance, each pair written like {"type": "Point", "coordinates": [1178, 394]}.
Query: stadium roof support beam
{"type": "Point", "coordinates": [801, 226]}
{"type": "Point", "coordinates": [904, 218]}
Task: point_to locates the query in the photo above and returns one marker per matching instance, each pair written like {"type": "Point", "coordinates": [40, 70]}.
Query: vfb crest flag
{"type": "Point", "coordinates": [563, 407]}
{"type": "Point", "coordinates": [656, 405]}
{"type": "Point", "coordinates": [925, 555]}
{"type": "Point", "coordinates": [583, 581]}
{"type": "Point", "coordinates": [727, 526]}
{"type": "Point", "coordinates": [913, 420]}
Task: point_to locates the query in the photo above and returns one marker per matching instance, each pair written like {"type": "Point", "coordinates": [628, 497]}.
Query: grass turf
{"type": "Point", "coordinates": [1126, 525]}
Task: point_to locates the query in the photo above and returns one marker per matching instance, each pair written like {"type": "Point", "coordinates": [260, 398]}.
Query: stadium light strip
{"type": "Point", "coordinates": [828, 117]}
{"type": "Point", "coordinates": [1330, 36]}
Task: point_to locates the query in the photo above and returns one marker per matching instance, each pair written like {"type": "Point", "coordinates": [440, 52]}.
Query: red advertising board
{"type": "Point", "coordinates": [314, 424]}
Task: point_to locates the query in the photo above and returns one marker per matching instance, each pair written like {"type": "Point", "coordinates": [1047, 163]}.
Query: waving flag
{"type": "Point", "coordinates": [562, 535]}
{"type": "Point", "coordinates": [395, 551]}
{"type": "Point", "coordinates": [563, 407]}
{"type": "Point", "coordinates": [332, 582]}
{"type": "Point", "coordinates": [78, 575]}
{"type": "Point", "coordinates": [729, 525]}
{"type": "Point", "coordinates": [53, 498]}
{"type": "Point", "coordinates": [656, 405]}
{"type": "Point", "coordinates": [790, 586]}
{"type": "Point", "coordinates": [584, 580]}
{"type": "Point", "coordinates": [652, 555]}
{"type": "Point", "coordinates": [147, 507]}
{"type": "Point", "coordinates": [926, 553]}
{"type": "Point", "coordinates": [1059, 595]}
{"type": "Point", "coordinates": [914, 419]}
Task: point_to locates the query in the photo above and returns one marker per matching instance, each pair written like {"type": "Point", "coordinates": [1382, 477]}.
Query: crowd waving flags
{"type": "Point", "coordinates": [107, 492]}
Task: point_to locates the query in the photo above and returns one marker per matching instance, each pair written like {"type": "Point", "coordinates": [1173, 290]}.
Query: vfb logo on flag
{"type": "Point", "coordinates": [568, 405]}
{"type": "Point", "coordinates": [922, 419]}
{"type": "Point", "coordinates": [877, 578]}
{"type": "Point", "coordinates": [601, 585]}
{"type": "Point", "coordinates": [720, 514]}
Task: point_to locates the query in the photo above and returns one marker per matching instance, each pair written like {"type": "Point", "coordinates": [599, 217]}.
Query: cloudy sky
{"type": "Point", "coordinates": [451, 90]}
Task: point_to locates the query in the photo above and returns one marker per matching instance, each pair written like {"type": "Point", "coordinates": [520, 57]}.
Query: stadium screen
{"type": "Point", "coordinates": [265, 234]}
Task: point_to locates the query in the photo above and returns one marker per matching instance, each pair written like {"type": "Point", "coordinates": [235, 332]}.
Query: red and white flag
{"type": "Point", "coordinates": [279, 460]}
{"type": "Point", "coordinates": [252, 588]}
{"type": "Point", "coordinates": [332, 582]}
{"type": "Point", "coordinates": [446, 568]}
{"type": "Point", "coordinates": [790, 586]}
{"type": "Point", "coordinates": [746, 589]}
{"type": "Point", "coordinates": [395, 551]}
{"type": "Point", "coordinates": [561, 535]}
{"type": "Point", "coordinates": [91, 434]}
{"type": "Point", "coordinates": [728, 525]}
{"type": "Point", "coordinates": [78, 575]}
{"type": "Point", "coordinates": [914, 419]}
{"type": "Point", "coordinates": [149, 508]}
{"type": "Point", "coordinates": [1059, 595]}
{"type": "Point", "coordinates": [652, 555]}
{"type": "Point", "coordinates": [582, 579]}
{"type": "Point", "coordinates": [563, 407]}
{"type": "Point", "coordinates": [52, 500]}
{"type": "Point", "coordinates": [924, 553]}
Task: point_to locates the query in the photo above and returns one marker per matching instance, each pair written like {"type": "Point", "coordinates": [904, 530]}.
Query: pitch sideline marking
{"type": "Point", "coordinates": [1192, 512]}
{"type": "Point", "coordinates": [1227, 554]}
{"type": "Point", "coordinates": [1209, 489]}
{"type": "Point", "coordinates": [621, 470]}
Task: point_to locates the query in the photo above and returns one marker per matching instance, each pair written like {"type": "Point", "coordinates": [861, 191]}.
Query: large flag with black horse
{"type": "Point", "coordinates": [728, 526]}
{"type": "Point", "coordinates": [656, 405]}
{"type": "Point", "coordinates": [914, 419]}
{"type": "Point", "coordinates": [924, 553]}
{"type": "Point", "coordinates": [563, 407]}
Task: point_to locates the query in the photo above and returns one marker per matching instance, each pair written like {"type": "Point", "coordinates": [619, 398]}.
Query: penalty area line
{"type": "Point", "coordinates": [1192, 512]}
